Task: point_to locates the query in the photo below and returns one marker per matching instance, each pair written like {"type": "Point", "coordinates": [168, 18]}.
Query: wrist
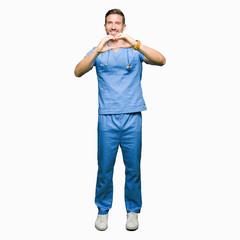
{"type": "Point", "coordinates": [97, 51]}
{"type": "Point", "coordinates": [134, 42]}
{"type": "Point", "coordinates": [137, 45]}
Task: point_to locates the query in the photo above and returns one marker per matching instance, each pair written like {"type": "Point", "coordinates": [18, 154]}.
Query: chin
{"type": "Point", "coordinates": [113, 34]}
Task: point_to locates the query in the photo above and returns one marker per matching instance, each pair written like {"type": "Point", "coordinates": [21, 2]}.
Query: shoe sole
{"type": "Point", "coordinates": [132, 229]}
{"type": "Point", "coordinates": [101, 229]}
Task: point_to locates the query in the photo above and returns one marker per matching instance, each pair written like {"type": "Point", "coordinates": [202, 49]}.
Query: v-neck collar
{"type": "Point", "coordinates": [117, 51]}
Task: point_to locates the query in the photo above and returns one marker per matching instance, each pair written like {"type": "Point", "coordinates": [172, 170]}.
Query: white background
{"type": "Point", "coordinates": [48, 130]}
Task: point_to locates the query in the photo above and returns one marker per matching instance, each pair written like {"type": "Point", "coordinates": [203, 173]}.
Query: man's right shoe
{"type": "Point", "coordinates": [101, 223]}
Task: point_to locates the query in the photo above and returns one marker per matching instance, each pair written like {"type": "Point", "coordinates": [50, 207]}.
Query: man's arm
{"type": "Point", "coordinates": [87, 63]}
{"type": "Point", "coordinates": [151, 56]}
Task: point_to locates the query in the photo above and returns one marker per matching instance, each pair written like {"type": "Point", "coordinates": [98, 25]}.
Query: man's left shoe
{"type": "Point", "coordinates": [132, 221]}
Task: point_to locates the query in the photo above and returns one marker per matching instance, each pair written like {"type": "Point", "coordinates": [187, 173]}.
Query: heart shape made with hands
{"type": "Point", "coordinates": [111, 42]}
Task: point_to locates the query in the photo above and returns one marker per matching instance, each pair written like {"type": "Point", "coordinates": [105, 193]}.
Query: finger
{"type": "Point", "coordinates": [120, 37]}
{"type": "Point", "coordinates": [107, 38]}
{"type": "Point", "coordinates": [110, 37]}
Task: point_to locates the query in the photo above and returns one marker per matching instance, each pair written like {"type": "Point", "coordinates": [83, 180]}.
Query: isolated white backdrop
{"type": "Point", "coordinates": [190, 159]}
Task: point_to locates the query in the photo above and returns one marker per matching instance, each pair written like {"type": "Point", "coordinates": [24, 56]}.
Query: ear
{"type": "Point", "coordinates": [124, 27]}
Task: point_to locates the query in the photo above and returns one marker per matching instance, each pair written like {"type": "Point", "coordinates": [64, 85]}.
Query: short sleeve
{"type": "Point", "coordinates": [94, 63]}
{"type": "Point", "coordinates": [141, 57]}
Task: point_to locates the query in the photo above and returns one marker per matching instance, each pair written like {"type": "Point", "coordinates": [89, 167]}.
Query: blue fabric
{"type": "Point", "coordinates": [119, 90]}
{"type": "Point", "coordinates": [124, 130]}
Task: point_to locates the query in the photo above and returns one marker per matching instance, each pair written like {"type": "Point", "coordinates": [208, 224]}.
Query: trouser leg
{"type": "Point", "coordinates": [108, 142]}
{"type": "Point", "coordinates": [131, 143]}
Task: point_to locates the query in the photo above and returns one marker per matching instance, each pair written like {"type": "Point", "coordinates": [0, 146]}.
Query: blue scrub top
{"type": "Point", "coordinates": [119, 90]}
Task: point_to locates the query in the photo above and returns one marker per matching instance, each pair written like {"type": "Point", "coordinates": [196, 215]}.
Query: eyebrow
{"type": "Point", "coordinates": [115, 22]}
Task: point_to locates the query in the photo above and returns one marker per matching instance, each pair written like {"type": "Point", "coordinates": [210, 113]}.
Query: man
{"type": "Point", "coordinates": [118, 60]}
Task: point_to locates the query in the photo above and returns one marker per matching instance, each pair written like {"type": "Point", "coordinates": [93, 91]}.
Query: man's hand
{"type": "Point", "coordinates": [102, 46]}
{"type": "Point", "coordinates": [129, 42]}
{"type": "Point", "coordinates": [87, 63]}
{"type": "Point", "coordinates": [151, 56]}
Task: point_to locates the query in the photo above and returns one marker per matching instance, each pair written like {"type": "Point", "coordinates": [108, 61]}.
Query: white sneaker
{"type": "Point", "coordinates": [101, 223]}
{"type": "Point", "coordinates": [132, 221]}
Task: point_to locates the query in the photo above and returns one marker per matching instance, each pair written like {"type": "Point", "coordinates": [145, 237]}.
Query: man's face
{"type": "Point", "coordinates": [114, 24]}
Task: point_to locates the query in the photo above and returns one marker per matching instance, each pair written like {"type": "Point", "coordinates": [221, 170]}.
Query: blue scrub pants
{"type": "Point", "coordinates": [114, 130]}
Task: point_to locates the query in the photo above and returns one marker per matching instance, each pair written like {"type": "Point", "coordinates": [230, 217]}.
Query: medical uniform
{"type": "Point", "coordinates": [119, 124]}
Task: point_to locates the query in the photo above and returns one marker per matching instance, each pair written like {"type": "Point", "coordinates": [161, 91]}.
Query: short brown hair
{"type": "Point", "coordinates": [115, 11]}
